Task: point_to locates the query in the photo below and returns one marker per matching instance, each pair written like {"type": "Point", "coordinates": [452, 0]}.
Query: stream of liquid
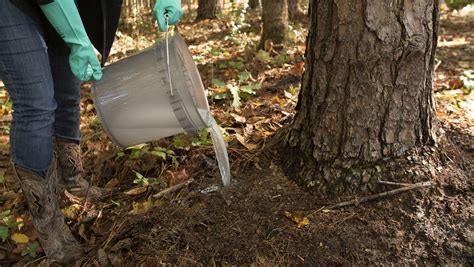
{"type": "Point", "coordinates": [219, 146]}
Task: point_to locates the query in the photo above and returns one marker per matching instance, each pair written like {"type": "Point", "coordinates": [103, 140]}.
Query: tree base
{"type": "Point", "coordinates": [351, 176]}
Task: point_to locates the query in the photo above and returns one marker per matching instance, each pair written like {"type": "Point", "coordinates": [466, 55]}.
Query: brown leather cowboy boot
{"type": "Point", "coordinates": [71, 172]}
{"type": "Point", "coordinates": [42, 197]}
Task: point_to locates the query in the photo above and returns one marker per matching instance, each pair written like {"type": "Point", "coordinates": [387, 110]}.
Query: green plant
{"type": "Point", "coordinates": [95, 124]}
{"type": "Point", "coordinates": [237, 21]}
{"type": "Point", "coordinates": [8, 223]}
{"type": "Point", "coordinates": [6, 129]}
{"type": "Point", "coordinates": [458, 3]}
{"type": "Point", "coordinates": [138, 150]}
{"type": "Point", "coordinates": [203, 139]}
{"type": "Point", "coordinates": [265, 57]}
{"type": "Point", "coordinates": [467, 78]}
{"type": "Point", "coordinates": [152, 184]}
{"type": "Point", "coordinates": [241, 88]}
{"type": "Point", "coordinates": [30, 249]}
{"type": "Point", "coordinates": [165, 154]}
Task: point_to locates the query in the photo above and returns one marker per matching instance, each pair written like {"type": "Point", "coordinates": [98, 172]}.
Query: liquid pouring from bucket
{"type": "Point", "coordinates": [154, 94]}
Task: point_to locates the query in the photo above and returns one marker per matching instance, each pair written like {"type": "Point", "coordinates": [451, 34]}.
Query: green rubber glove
{"type": "Point", "coordinates": [172, 8]}
{"type": "Point", "coordinates": [65, 18]}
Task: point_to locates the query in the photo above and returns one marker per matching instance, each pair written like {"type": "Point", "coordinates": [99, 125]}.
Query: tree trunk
{"type": "Point", "coordinates": [208, 9]}
{"type": "Point", "coordinates": [294, 10]}
{"type": "Point", "coordinates": [253, 4]}
{"type": "Point", "coordinates": [275, 21]}
{"type": "Point", "coordinates": [367, 90]}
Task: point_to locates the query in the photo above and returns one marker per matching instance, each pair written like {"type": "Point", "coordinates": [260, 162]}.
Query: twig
{"type": "Point", "coordinates": [437, 65]}
{"type": "Point", "coordinates": [343, 220]}
{"type": "Point", "coordinates": [372, 197]}
{"type": "Point", "coordinates": [36, 260]}
{"type": "Point", "coordinates": [112, 233]}
{"type": "Point", "coordinates": [393, 183]}
{"type": "Point", "coordinates": [172, 189]}
{"type": "Point", "coordinates": [316, 211]}
{"type": "Point", "coordinates": [383, 194]}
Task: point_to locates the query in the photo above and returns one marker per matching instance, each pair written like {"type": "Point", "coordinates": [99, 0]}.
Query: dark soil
{"type": "Point", "coordinates": [246, 224]}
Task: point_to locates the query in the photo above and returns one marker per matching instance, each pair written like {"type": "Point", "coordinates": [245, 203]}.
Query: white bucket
{"type": "Point", "coordinates": [136, 103]}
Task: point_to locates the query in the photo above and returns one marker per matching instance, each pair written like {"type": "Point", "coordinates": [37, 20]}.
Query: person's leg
{"type": "Point", "coordinates": [67, 124]}
{"type": "Point", "coordinates": [26, 73]}
{"type": "Point", "coordinates": [66, 93]}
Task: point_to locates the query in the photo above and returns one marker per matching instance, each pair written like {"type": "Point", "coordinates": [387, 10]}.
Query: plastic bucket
{"type": "Point", "coordinates": [136, 102]}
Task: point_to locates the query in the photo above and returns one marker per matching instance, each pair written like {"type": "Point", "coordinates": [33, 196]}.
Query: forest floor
{"type": "Point", "coordinates": [263, 219]}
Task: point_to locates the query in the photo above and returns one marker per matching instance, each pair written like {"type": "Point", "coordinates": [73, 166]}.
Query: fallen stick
{"type": "Point", "coordinates": [383, 194]}
{"type": "Point", "coordinates": [393, 183]}
{"type": "Point", "coordinates": [372, 197]}
{"type": "Point", "coordinates": [172, 189]}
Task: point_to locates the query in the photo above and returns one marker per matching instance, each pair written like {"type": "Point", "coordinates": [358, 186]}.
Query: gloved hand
{"type": "Point", "coordinates": [170, 7]}
{"type": "Point", "coordinates": [65, 18]}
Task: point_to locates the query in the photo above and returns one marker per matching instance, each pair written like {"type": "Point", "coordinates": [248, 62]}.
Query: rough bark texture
{"type": "Point", "coordinates": [275, 21]}
{"type": "Point", "coordinates": [254, 4]}
{"type": "Point", "coordinates": [208, 9]}
{"type": "Point", "coordinates": [294, 10]}
{"type": "Point", "coordinates": [366, 93]}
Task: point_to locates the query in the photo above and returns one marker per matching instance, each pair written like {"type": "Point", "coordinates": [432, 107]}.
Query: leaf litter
{"type": "Point", "coordinates": [264, 218]}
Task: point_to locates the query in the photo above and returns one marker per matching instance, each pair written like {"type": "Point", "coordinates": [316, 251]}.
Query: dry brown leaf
{"type": "Point", "coordinates": [136, 191]}
{"type": "Point", "coordinates": [298, 68]}
{"type": "Point", "coordinates": [238, 118]}
{"type": "Point", "coordinates": [242, 141]}
{"type": "Point", "coordinates": [177, 177]}
{"type": "Point", "coordinates": [112, 183]}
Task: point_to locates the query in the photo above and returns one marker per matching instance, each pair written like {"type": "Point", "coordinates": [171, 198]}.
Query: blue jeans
{"type": "Point", "coordinates": [44, 92]}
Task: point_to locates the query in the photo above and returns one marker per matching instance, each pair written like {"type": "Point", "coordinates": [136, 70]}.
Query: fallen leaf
{"type": "Point", "coordinates": [177, 177]}
{"type": "Point", "coordinates": [242, 141]}
{"type": "Point", "coordinates": [298, 68]}
{"type": "Point", "coordinates": [136, 191]}
{"type": "Point", "coordinates": [238, 118]}
{"type": "Point", "coordinates": [141, 207]}
{"type": "Point", "coordinates": [19, 248]}
{"type": "Point", "coordinates": [112, 183]}
{"type": "Point", "coordinates": [20, 238]}
{"type": "Point", "coordinates": [298, 218]}
{"type": "Point", "coordinates": [455, 84]}
{"type": "Point", "coordinates": [71, 211]}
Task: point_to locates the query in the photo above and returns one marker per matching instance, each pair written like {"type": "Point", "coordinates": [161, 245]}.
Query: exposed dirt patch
{"type": "Point", "coordinates": [246, 224]}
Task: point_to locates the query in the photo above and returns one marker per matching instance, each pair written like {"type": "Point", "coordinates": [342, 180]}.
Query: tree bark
{"type": "Point", "coordinates": [367, 91]}
{"type": "Point", "coordinates": [275, 21]}
{"type": "Point", "coordinates": [208, 9]}
{"type": "Point", "coordinates": [253, 4]}
{"type": "Point", "coordinates": [294, 10]}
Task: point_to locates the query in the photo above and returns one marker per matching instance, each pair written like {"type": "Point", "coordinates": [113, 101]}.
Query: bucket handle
{"type": "Point", "coordinates": [167, 17]}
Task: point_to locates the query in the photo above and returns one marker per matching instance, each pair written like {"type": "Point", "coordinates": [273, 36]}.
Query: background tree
{"type": "Point", "coordinates": [367, 90]}
{"type": "Point", "coordinates": [208, 9]}
{"type": "Point", "coordinates": [294, 9]}
{"type": "Point", "coordinates": [254, 3]}
{"type": "Point", "coordinates": [275, 21]}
